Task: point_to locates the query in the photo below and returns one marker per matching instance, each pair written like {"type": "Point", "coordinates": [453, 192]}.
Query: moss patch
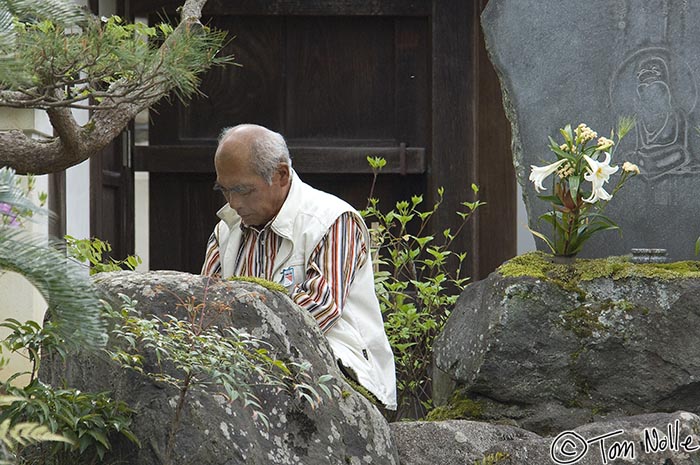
{"type": "Point", "coordinates": [492, 459]}
{"type": "Point", "coordinates": [360, 390]}
{"type": "Point", "coordinates": [457, 409]}
{"type": "Point", "coordinates": [269, 285]}
{"type": "Point", "coordinates": [539, 265]}
{"type": "Point", "coordinates": [583, 321]}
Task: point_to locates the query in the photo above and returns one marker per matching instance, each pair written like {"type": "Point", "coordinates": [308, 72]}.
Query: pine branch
{"type": "Point", "coordinates": [189, 43]}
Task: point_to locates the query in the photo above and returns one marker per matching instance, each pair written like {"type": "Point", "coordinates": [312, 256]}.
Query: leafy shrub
{"type": "Point", "coordinates": [415, 287]}
{"type": "Point", "coordinates": [85, 420]}
{"type": "Point", "coordinates": [92, 251]}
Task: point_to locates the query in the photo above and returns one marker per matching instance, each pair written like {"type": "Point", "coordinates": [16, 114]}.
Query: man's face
{"type": "Point", "coordinates": [255, 201]}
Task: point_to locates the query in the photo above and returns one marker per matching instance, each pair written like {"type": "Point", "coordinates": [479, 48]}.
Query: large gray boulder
{"type": "Point", "coordinates": [555, 346]}
{"type": "Point", "coordinates": [568, 61]}
{"type": "Point", "coordinates": [344, 429]}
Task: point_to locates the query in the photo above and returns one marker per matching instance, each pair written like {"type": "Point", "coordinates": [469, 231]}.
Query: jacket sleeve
{"type": "Point", "coordinates": [331, 270]}
{"type": "Point", "coordinates": [212, 264]}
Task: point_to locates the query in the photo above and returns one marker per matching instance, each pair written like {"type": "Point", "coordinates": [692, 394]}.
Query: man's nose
{"type": "Point", "coordinates": [234, 200]}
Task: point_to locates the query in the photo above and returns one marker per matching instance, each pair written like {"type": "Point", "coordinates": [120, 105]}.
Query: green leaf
{"type": "Point", "coordinates": [100, 437]}
{"type": "Point", "coordinates": [543, 237]}
{"type": "Point", "coordinates": [551, 199]}
{"type": "Point", "coordinates": [376, 163]}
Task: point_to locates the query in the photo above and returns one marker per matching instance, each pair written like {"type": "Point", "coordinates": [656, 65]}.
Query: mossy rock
{"type": "Point", "coordinates": [269, 285]}
{"type": "Point", "coordinates": [549, 341]}
{"type": "Point", "coordinates": [459, 408]}
{"type": "Point", "coordinates": [539, 265]}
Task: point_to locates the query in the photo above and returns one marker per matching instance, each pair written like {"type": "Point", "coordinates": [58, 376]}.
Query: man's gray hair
{"type": "Point", "coordinates": [267, 151]}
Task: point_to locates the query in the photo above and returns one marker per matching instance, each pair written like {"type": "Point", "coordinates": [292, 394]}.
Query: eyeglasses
{"type": "Point", "coordinates": [228, 191]}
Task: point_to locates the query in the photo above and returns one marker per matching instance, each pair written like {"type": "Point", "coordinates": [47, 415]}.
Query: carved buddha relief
{"type": "Point", "coordinates": [645, 86]}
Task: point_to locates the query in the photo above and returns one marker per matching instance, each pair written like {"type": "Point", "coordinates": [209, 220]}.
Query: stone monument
{"type": "Point", "coordinates": [566, 61]}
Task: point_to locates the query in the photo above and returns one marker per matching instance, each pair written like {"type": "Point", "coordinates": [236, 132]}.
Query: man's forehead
{"type": "Point", "coordinates": [229, 184]}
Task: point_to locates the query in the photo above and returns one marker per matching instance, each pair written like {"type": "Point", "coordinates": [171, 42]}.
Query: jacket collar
{"type": "Point", "coordinates": [283, 223]}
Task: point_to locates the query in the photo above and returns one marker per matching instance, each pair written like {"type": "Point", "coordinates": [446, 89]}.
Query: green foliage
{"type": "Point", "coordinates": [84, 420]}
{"type": "Point", "coordinates": [15, 205]}
{"type": "Point", "coordinates": [30, 337]}
{"type": "Point", "coordinates": [413, 282]}
{"type": "Point", "coordinates": [93, 250]}
{"type": "Point", "coordinates": [193, 353]}
{"type": "Point", "coordinates": [73, 305]}
{"type": "Point", "coordinates": [14, 437]}
{"type": "Point", "coordinates": [66, 57]}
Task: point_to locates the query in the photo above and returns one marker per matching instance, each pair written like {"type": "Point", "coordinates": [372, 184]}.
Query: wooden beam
{"type": "Point", "coordinates": [453, 160]}
{"type": "Point", "coordinates": [305, 159]}
{"type": "Point", "coordinates": [293, 7]}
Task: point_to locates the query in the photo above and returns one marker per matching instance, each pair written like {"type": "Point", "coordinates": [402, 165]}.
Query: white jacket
{"type": "Point", "coordinates": [357, 337]}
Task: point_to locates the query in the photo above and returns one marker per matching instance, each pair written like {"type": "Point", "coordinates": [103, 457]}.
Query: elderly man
{"type": "Point", "coordinates": [276, 227]}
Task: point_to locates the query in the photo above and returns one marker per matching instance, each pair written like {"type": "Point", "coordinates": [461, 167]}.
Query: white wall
{"type": "Point", "coordinates": [526, 241]}
{"type": "Point", "coordinates": [141, 218]}
{"type": "Point", "coordinates": [18, 297]}
{"type": "Point", "coordinates": [78, 192]}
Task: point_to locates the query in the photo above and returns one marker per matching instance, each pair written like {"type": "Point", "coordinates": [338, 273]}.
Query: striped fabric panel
{"type": "Point", "coordinates": [331, 271]}
{"type": "Point", "coordinates": [212, 263]}
{"type": "Point", "coordinates": [257, 254]}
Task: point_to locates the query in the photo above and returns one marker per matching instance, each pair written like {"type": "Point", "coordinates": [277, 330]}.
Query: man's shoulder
{"type": "Point", "coordinates": [315, 202]}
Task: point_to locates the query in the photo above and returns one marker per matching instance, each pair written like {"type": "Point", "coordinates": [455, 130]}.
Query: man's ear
{"type": "Point", "coordinates": [284, 174]}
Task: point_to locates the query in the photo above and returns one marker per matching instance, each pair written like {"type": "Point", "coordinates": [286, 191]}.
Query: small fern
{"type": "Point", "coordinates": [25, 433]}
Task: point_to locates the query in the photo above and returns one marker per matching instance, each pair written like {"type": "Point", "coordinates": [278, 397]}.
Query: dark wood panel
{"type": "Point", "coordinates": [355, 188]}
{"type": "Point", "coordinates": [339, 78]}
{"type": "Point", "coordinates": [412, 77]}
{"type": "Point", "coordinates": [453, 158]}
{"type": "Point", "coordinates": [199, 159]}
{"type": "Point", "coordinates": [188, 217]}
{"type": "Point", "coordinates": [250, 92]}
{"type": "Point", "coordinates": [295, 7]}
{"type": "Point", "coordinates": [112, 196]}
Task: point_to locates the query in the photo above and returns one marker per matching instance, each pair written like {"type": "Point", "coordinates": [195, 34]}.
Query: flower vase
{"type": "Point", "coordinates": [564, 259]}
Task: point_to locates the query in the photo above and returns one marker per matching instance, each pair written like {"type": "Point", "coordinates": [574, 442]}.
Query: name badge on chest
{"type": "Point", "coordinates": [288, 276]}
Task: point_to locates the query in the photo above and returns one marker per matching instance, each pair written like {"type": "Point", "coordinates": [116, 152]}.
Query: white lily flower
{"type": "Point", "coordinates": [540, 173]}
{"type": "Point", "coordinates": [598, 174]}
